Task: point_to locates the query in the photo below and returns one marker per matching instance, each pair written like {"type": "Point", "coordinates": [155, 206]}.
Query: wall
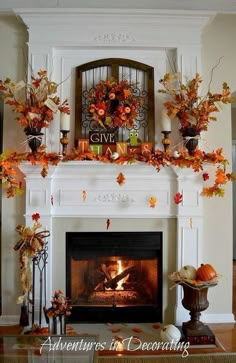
{"type": "Point", "coordinates": [217, 41]}
{"type": "Point", "coordinates": [13, 38]}
{"type": "Point", "coordinates": [233, 110]}
{"type": "Point", "coordinates": [217, 241]}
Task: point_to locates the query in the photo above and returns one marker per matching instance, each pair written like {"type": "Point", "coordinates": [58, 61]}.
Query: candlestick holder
{"type": "Point", "coordinates": [166, 140]}
{"type": "Point", "coordinates": [64, 140]}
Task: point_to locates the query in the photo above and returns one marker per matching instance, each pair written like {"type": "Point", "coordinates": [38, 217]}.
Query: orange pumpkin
{"type": "Point", "coordinates": [206, 272]}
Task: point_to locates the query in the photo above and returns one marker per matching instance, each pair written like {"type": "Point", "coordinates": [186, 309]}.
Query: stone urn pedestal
{"type": "Point", "coordinates": [195, 300]}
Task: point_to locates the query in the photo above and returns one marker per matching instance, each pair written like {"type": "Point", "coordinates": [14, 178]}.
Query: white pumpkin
{"type": "Point", "coordinates": [115, 156]}
{"type": "Point", "coordinates": [176, 154]}
{"type": "Point", "coordinates": [170, 333]}
{"type": "Point", "coordinates": [188, 272]}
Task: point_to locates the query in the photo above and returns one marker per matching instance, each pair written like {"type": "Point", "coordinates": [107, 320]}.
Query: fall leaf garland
{"type": "Point", "coordinates": [10, 161]}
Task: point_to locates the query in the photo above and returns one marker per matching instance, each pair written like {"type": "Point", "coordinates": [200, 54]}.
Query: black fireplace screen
{"type": "Point", "coordinates": [114, 276]}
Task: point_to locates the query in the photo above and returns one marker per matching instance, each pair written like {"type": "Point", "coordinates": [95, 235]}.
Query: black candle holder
{"type": "Point", "coordinates": [64, 140]}
{"type": "Point", "coordinates": [166, 140]}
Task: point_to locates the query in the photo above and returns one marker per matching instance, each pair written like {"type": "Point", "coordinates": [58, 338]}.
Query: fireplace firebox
{"type": "Point", "coordinates": [114, 276]}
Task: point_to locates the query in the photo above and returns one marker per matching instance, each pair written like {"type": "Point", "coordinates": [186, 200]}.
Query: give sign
{"type": "Point", "coordinates": [102, 137]}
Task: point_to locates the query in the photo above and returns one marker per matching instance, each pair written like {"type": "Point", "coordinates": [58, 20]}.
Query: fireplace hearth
{"type": "Point", "coordinates": [114, 276]}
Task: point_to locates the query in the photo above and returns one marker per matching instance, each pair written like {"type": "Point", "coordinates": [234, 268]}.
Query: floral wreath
{"type": "Point", "coordinates": [112, 104]}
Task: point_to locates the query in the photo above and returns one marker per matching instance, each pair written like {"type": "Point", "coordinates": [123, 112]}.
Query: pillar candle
{"type": "Point", "coordinates": [165, 121]}
{"type": "Point", "coordinates": [65, 122]}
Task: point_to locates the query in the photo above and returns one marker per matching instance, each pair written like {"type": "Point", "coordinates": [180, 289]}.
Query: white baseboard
{"type": "Point", "coordinates": [9, 319]}
{"type": "Point", "coordinates": [182, 315]}
{"type": "Point", "coordinates": [205, 318]}
{"type": "Point", "coordinates": [217, 318]}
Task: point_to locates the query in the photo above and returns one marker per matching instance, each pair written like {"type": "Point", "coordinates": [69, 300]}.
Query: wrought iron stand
{"type": "Point", "coordinates": [39, 263]}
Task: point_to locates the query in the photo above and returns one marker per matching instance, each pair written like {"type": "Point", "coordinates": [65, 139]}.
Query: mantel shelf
{"type": "Point", "coordinates": [90, 188]}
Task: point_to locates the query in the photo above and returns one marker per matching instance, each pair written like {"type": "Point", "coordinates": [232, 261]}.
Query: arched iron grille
{"type": "Point", "coordinates": [139, 74]}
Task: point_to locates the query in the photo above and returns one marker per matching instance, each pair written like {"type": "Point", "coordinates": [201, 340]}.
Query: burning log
{"type": "Point", "coordinates": [106, 272]}
{"type": "Point", "coordinates": [112, 284]}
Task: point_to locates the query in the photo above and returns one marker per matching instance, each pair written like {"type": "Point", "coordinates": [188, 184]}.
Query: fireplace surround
{"type": "Point", "coordinates": [114, 276]}
{"type": "Point", "coordinates": [128, 204]}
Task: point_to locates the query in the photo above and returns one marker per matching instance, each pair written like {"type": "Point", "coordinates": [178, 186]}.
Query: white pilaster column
{"type": "Point", "coordinates": [189, 230]}
{"type": "Point", "coordinates": [39, 199]}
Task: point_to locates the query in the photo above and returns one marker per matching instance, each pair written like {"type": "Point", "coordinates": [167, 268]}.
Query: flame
{"type": "Point", "coordinates": [120, 269]}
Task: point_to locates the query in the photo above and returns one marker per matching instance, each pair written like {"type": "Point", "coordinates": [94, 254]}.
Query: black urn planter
{"type": "Point", "coordinates": [194, 300]}
{"type": "Point", "coordinates": [191, 137]}
{"type": "Point", "coordinates": [34, 138]}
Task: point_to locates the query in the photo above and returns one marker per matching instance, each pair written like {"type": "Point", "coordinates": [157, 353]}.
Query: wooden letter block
{"type": "Point", "coordinates": [102, 137]}
{"type": "Point", "coordinates": [108, 149]}
{"type": "Point", "coordinates": [83, 145]}
{"type": "Point", "coordinates": [121, 148]}
{"type": "Point", "coordinates": [146, 147]}
{"type": "Point", "coordinates": [97, 149]}
{"type": "Point", "coordinates": [134, 150]}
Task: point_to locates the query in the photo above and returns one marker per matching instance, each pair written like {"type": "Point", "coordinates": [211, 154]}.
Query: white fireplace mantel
{"type": "Point", "coordinates": [59, 41]}
{"type": "Point", "coordinates": [60, 194]}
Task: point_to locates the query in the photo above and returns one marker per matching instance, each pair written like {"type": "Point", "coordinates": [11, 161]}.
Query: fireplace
{"type": "Point", "coordinates": [114, 276]}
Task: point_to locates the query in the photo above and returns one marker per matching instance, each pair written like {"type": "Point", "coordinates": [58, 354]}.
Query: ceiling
{"type": "Point", "coordinates": [221, 6]}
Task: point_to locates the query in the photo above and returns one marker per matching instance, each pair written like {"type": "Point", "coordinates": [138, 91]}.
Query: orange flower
{"type": "Point", "coordinates": [101, 112]}
{"type": "Point", "coordinates": [60, 305]}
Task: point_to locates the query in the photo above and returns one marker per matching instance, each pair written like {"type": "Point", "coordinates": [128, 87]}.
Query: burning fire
{"type": "Point", "coordinates": [120, 269]}
{"type": "Point", "coordinates": [115, 273]}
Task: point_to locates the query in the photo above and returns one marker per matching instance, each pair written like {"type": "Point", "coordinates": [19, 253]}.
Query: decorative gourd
{"type": "Point", "coordinates": [188, 272]}
{"type": "Point", "coordinates": [206, 272]}
{"type": "Point", "coordinates": [170, 333]}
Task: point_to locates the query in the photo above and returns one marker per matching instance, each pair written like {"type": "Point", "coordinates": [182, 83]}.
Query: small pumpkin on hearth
{"type": "Point", "coordinates": [188, 272]}
{"type": "Point", "coordinates": [206, 272]}
{"type": "Point", "coordinates": [170, 333]}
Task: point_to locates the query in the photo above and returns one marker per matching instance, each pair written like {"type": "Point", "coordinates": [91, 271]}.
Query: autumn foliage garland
{"type": "Point", "coordinates": [10, 161]}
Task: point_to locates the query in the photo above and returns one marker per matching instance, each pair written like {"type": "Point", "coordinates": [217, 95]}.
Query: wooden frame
{"type": "Point", "coordinates": [114, 64]}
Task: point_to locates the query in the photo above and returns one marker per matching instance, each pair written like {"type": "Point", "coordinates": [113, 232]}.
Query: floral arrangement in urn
{"type": "Point", "coordinates": [112, 104]}
{"type": "Point", "coordinates": [203, 276]}
{"type": "Point", "coordinates": [192, 110]}
{"type": "Point", "coordinates": [30, 243]}
{"type": "Point", "coordinates": [60, 305]}
{"type": "Point", "coordinates": [35, 102]}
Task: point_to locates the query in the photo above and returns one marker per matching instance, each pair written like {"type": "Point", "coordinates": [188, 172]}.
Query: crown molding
{"type": "Point", "coordinates": [86, 27]}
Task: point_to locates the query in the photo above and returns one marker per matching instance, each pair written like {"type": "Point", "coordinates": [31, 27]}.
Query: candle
{"type": "Point", "coordinates": [165, 121]}
{"type": "Point", "coordinates": [65, 122]}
